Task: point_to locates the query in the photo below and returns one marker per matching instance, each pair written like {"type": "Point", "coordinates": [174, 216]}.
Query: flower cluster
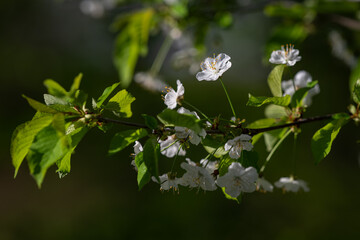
{"type": "Point", "coordinates": [232, 176]}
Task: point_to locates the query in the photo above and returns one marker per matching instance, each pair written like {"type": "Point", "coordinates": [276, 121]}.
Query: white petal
{"type": "Point", "coordinates": [206, 75]}
{"type": "Point", "coordinates": [171, 99]}
{"type": "Point", "coordinates": [180, 88]}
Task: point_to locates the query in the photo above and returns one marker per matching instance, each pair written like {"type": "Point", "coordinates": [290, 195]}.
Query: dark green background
{"type": "Point", "coordinates": [42, 39]}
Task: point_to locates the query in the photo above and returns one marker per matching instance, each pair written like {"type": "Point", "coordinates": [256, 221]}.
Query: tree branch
{"type": "Point", "coordinates": [249, 131]}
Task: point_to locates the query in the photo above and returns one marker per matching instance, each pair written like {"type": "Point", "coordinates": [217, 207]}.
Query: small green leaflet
{"type": "Point", "coordinates": [151, 157]}
{"type": "Point", "coordinates": [322, 140]}
{"type": "Point", "coordinates": [55, 89]}
{"type": "Point", "coordinates": [76, 85]}
{"type": "Point", "coordinates": [143, 176]}
{"type": "Point", "coordinates": [355, 75]}
{"type": "Point", "coordinates": [131, 42]}
{"type": "Point", "coordinates": [356, 92]}
{"type": "Point", "coordinates": [173, 118]}
{"type": "Point", "coordinates": [23, 137]}
{"type": "Point", "coordinates": [106, 94]}
{"type": "Point", "coordinates": [120, 104]}
{"type": "Point", "coordinates": [259, 101]}
{"type": "Point", "coordinates": [123, 139]}
{"type": "Point", "coordinates": [75, 138]}
{"type": "Point", "coordinates": [274, 80]}
{"type": "Point", "coordinates": [38, 106]}
{"type": "Point", "coordinates": [150, 121]}
{"type": "Point", "coordinates": [238, 199]}
{"type": "Point", "coordinates": [262, 123]}
{"type": "Point", "coordinates": [300, 94]}
{"type": "Point", "coordinates": [214, 145]}
{"type": "Point", "coordinates": [50, 145]}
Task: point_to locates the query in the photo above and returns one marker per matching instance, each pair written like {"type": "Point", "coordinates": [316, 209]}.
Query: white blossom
{"type": "Point", "coordinates": [170, 147]}
{"type": "Point", "coordinates": [238, 179]}
{"type": "Point", "coordinates": [264, 185]}
{"type": "Point", "coordinates": [210, 166]}
{"type": "Point", "coordinates": [236, 145]}
{"type": "Point", "coordinates": [301, 79]}
{"type": "Point", "coordinates": [172, 98]}
{"type": "Point", "coordinates": [183, 132]}
{"type": "Point", "coordinates": [213, 68]}
{"type": "Point", "coordinates": [137, 148]}
{"type": "Point", "coordinates": [168, 181]}
{"type": "Point", "coordinates": [289, 184]}
{"type": "Point", "coordinates": [288, 56]}
{"type": "Point", "coordinates": [197, 177]}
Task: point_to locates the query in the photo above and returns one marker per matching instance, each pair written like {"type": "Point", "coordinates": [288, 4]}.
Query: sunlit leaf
{"type": "Point", "coordinates": [259, 101]}
{"type": "Point", "coordinates": [123, 139]}
{"type": "Point", "coordinates": [274, 80]}
{"type": "Point", "coordinates": [322, 140]}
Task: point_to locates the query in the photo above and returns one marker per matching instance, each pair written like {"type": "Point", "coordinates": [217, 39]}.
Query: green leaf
{"type": "Point", "coordinates": [274, 111]}
{"type": "Point", "coordinates": [259, 101]}
{"type": "Point", "coordinates": [132, 42]}
{"type": "Point", "coordinates": [123, 139]}
{"type": "Point", "coordinates": [225, 162]}
{"type": "Point", "coordinates": [356, 92]}
{"type": "Point", "coordinates": [63, 164]}
{"type": "Point", "coordinates": [301, 93]}
{"type": "Point", "coordinates": [38, 106]}
{"type": "Point", "coordinates": [355, 75]}
{"type": "Point", "coordinates": [143, 176]}
{"type": "Point", "coordinates": [150, 121]}
{"type": "Point", "coordinates": [121, 104]}
{"type": "Point", "coordinates": [106, 94]}
{"type": "Point", "coordinates": [59, 104]}
{"type": "Point", "coordinates": [51, 100]}
{"type": "Point", "coordinates": [23, 137]}
{"type": "Point", "coordinates": [272, 137]}
{"type": "Point", "coordinates": [151, 157]}
{"type": "Point", "coordinates": [172, 118]}
{"type": "Point", "coordinates": [322, 140]}
{"type": "Point", "coordinates": [55, 89]}
{"type": "Point", "coordinates": [249, 159]}
{"type": "Point", "coordinates": [76, 84]}
{"type": "Point", "coordinates": [50, 145]}
{"type": "Point", "coordinates": [262, 123]}
{"type": "Point", "coordinates": [79, 98]}
{"type": "Point", "coordinates": [274, 80]}
{"type": "Point", "coordinates": [214, 145]}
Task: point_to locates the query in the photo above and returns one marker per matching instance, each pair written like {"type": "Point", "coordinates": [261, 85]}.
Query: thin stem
{"type": "Point", "coordinates": [249, 131]}
{"type": "Point", "coordinates": [172, 167]}
{"type": "Point", "coordinates": [294, 154]}
{"type": "Point", "coordinates": [274, 150]}
{"type": "Point", "coordinates": [228, 97]}
{"type": "Point", "coordinates": [160, 57]}
{"type": "Point", "coordinates": [198, 110]}
{"type": "Point", "coordinates": [169, 146]}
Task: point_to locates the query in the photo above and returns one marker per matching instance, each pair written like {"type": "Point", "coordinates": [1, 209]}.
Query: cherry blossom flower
{"type": "Point", "coordinates": [137, 148]}
{"type": "Point", "coordinates": [183, 132]}
{"type": "Point", "coordinates": [172, 98]}
{"type": "Point", "coordinates": [263, 185]}
{"type": "Point", "coordinates": [213, 68]}
{"type": "Point", "coordinates": [210, 166]}
{"type": "Point", "coordinates": [301, 79]}
{"type": "Point", "coordinates": [238, 179]}
{"type": "Point", "coordinates": [170, 147]}
{"type": "Point", "coordinates": [289, 184]}
{"type": "Point", "coordinates": [288, 56]}
{"type": "Point", "coordinates": [197, 177]}
{"type": "Point", "coordinates": [236, 145]}
{"type": "Point", "coordinates": [168, 181]}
